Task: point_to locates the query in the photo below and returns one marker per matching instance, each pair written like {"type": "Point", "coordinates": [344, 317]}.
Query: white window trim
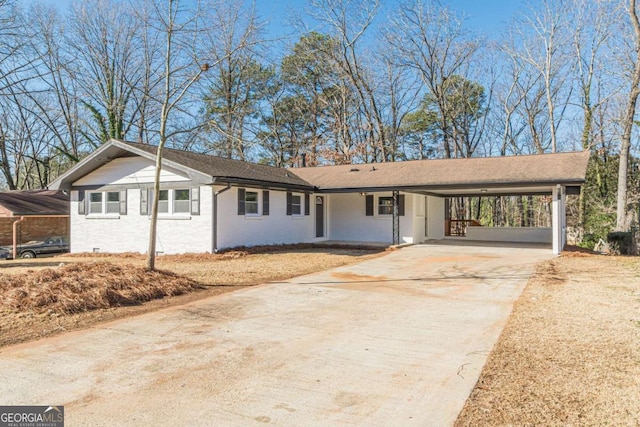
{"type": "Point", "coordinates": [377, 207]}
{"type": "Point", "coordinates": [301, 214]}
{"type": "Point", "coordinates": [103, 212]}
{"type": "Point", "coordinates": [102, 216]}
{"type": "Point", "coordinates": [170, 201]}
{"type": "Point", "coordinates": [257, 215]}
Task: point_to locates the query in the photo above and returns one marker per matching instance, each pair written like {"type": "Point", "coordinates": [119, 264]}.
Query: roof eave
{"type": "Point", "coordinates": [263, 184]}
{"type": "Point", "coordinates": [452, 186]}
{"type": "Point", "coordinates": [85, 166]}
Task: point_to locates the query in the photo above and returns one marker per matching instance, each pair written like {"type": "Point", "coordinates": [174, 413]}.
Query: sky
{"type": "Point", "coordinates": [487, 16]}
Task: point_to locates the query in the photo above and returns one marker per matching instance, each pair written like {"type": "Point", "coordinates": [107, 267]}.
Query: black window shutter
{"type": "Point", "coordinates": [144, 201]}
{"type": "Point", "coordinates": [195, 201]}
{"type": "Point", "coordinates": [265, 202]}
{"type": "Point", "coordinates": [241, 192]}
{"type": "Point", "coordinates": [81, 203]}
{"type": "Point", "coordinates": [369, 204]}
{"type": "Point", "coordinates": [307, 204]}
{"type": "Point", "coordinates": [401, 205]}
{"type": "Point", "coordinates": [123, 202]}
{"type": "Point", "coordinates": [289, 196]}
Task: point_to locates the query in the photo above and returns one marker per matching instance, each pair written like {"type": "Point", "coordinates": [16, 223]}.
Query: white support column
{"type": "Point", "coordinates": [559, 219]}
{"type": "Point", "coordinates": [563, 215]}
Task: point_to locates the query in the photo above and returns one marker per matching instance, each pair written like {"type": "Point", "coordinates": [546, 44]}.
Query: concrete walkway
{"type": "Point", "coordinates": [397, 340]}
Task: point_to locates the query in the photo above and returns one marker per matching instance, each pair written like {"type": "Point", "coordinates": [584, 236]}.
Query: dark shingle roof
{"type": "Point", "coordinates": [227, 169]}
{"type": "Point", "coordinates": [35, 202]}
{"type": "Point", "coordinates": [514, 172]}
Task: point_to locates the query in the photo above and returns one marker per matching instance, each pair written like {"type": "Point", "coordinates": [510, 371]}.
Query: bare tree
{"type": "Point", "coordinates": [622, 219]}
{"type": "Point", "coordinates": [238, 82]}
{"type": "Point", "coordinates": [102, 39]}
{"type": "Point", "coordinates": [56, 105]}
{"type": "Point", "coordinates": [593, 25]}
{"type": "Point", "coordinates": [368, 72]}
{"type": "Point", "coordinates": [544, 43]}
{"type": "Point", "coordinates": [181, 71]}
{"type": "Point", "coordinates": [432, 41]}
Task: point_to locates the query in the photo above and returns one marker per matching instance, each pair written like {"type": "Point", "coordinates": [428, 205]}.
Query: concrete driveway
{"type": "Point", "coordinates": [397, 340]}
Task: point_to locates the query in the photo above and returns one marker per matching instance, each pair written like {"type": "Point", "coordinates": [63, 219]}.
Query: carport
{"type": "Point", "coordinates": [431, 182]}
{"type": "Point", "coordinates": [32, 213]}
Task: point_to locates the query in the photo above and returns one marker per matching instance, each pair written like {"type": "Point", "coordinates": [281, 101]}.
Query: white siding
{"type": "Point", "coordinates": [510, 234]}
{"type": "Point", "coordinates": [130, 233]}
{"type": "Point", "coordinates": [419, 210]}
{"type": "Point", "coordinates": [250, 230]}
{"type": "Point", "coordinates": [435, 217]}
{"type": "Point", "coordinates": [350, 223]}
{"type": "Point", "coordinates": [129, 170]}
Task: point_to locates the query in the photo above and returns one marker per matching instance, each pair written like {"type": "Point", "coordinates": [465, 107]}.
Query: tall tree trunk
{"type": "Point", "coordinates": [630, 110]}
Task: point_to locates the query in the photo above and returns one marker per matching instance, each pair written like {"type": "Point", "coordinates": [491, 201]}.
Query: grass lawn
{"type": "Point", "coordinates": [570, 353]}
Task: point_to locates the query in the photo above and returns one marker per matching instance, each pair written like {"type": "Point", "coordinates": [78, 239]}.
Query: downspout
{"type": "Point", "coordinates": [15, 236]}
{"type": "Point", "coordinates": [215, 216]}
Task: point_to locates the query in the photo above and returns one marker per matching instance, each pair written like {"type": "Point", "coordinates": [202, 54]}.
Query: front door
{"type": "Point", "coordinates": [319, 216]}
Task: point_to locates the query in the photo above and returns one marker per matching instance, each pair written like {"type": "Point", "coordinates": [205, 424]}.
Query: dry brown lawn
{"type": "Point", "coordinates": [570, 353]}
{"type": "Point", "coordinates": [46, 296]}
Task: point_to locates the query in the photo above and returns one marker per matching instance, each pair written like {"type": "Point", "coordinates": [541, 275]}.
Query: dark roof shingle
{"type": "Point", "coordinates": [35, 202]}
{"type": "Point", "coordinates": [220, 167]}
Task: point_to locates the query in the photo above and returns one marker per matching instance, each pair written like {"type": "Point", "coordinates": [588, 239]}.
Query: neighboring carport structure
{"type": "Point", "coordinates": [32, 213]}
{"type": "Point", "coordinates": [555, 175]}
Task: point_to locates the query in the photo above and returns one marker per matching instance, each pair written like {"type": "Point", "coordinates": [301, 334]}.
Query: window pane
{"type": "Point", "coordinates": [95, 203]}
{"type": "Point", "coordinates": [181, 206]}
{"type": "Point", "coordinates": [113, 202]}
{"type": "Point", "coordinates": [295, 205]}
{"type": "Point", "coordinates": [251, 208]}
{"type": "Point", "coordinates": [163, 201]}
{"type": "Point", "coordinates": [181, 201]}
{"type": "Point", "coordinates": [251, 202]}
{"type": "Point", "coordinates": [181, 194]}
{"type": "Point", "coordinates": [385, 206]}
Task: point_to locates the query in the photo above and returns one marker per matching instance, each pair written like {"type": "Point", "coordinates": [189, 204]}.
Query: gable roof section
{"type": "Point", "coordinates": [201, 168]}
{"type": "Point", "coordinates": [229, 170]}
{"type": "Point", "coordinates": [35, 202]}
{"type": "Point", "coordinates": [477, 172]}
{"type": "Point", "coordinates": [518, 173]}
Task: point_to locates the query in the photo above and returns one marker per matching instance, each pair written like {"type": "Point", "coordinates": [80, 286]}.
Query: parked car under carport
{"type": "Point", "coordinates": [47, 246]}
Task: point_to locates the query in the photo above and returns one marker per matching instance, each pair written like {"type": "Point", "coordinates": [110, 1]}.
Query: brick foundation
{"type": "Point", "coordinates": [32, 228]}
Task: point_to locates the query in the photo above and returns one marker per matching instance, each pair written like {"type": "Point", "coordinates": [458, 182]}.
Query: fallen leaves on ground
{"type": "Point", "coordinates": [44, 297]}
{"type": "Point", "coordinates": [83, 287]}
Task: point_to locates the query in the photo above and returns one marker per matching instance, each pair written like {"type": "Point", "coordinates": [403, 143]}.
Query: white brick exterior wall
{"type": "Point", "coordinates": [345, 217]}
{"type": "Point", "coordinates": [251, 230]}
{"type": "Point", "coordinates": [130, 233]}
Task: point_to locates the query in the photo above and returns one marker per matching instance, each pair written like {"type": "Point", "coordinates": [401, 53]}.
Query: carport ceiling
{"type": "Point", "coordinates": [492, 191]}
